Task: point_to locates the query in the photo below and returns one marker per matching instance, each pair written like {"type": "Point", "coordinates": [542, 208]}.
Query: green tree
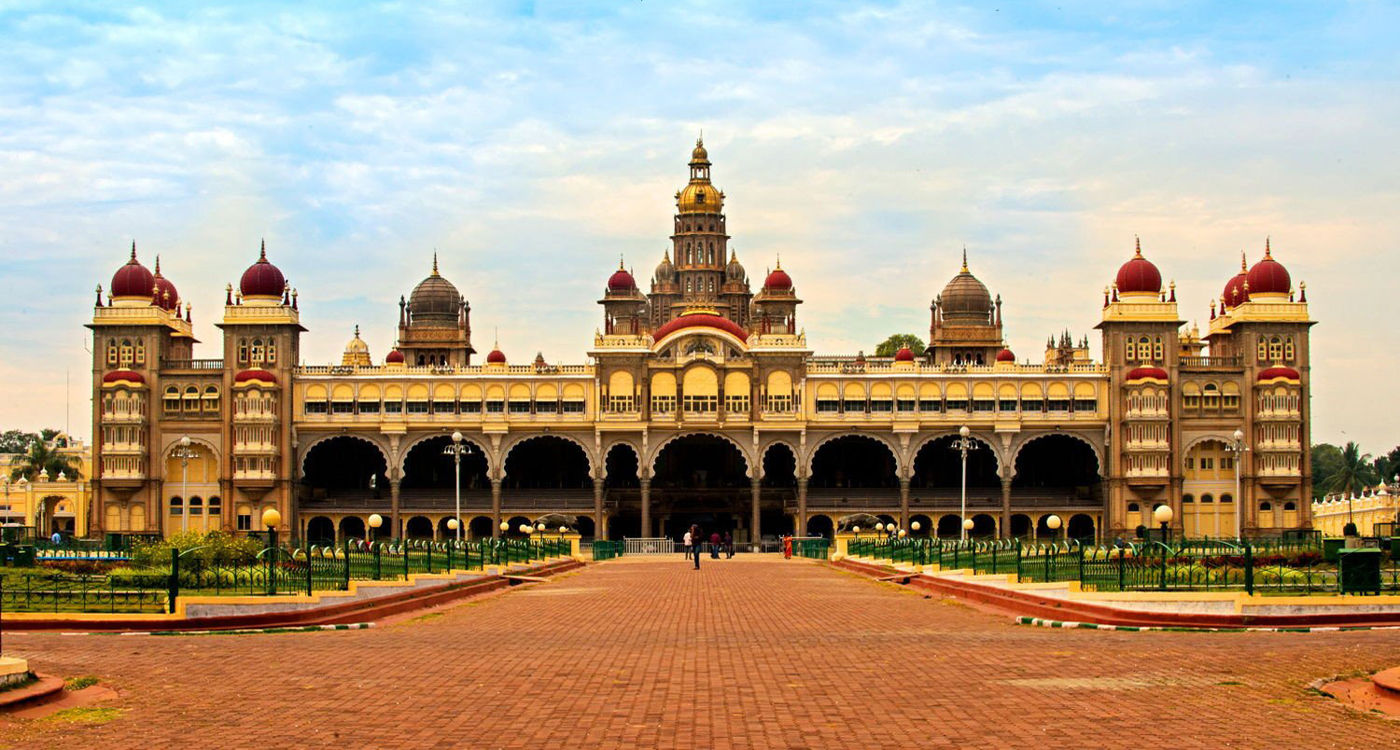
{"type": "Point", "coordinates": [16, 441]}
{"type": "Point", "coordinates": [891, 346]}
{"type": "Point", "coordinates": [1355, 472]}
{"type": "Point", "coordinates": [1326, 460]}
{"type": "Point", "coordinates": [41, 456]}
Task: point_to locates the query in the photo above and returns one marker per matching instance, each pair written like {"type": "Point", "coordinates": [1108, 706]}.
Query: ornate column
{"type": "Point", "coordinates": [1006, 507]}
{"type": "Point", "coordinates": [904, 502]}
{"type": "Point", "coordinates": [646, 506]}
{"type": "Point", "coordinates": [495, 507]}
{"type": "Point", "coordinates": [598, 532]}
{"type": "Point", "coordinates": [801, 507]}
{"type": "Point", "coordinates": [754, 536]}
{"type": "Point", "coordinates": [394, 508]}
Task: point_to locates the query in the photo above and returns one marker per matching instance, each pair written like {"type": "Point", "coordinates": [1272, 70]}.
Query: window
{"type": "Point", "coordinates": [245, 518]}
{"type": "Point", "coordinates": [780, 403]}
{"type": "Point", "coordinates": [1132, 350]}
{"type": "Point", "coordinates": [737, 404]}
{"type": "Point", "coordinates": [906, 404]}
{"type": "Point", "coordinates": [1288, 349]}
{"type": "Point", "coordinates": [257, 350]}
{"type": "Point", "coordinates": [1085, 404]}
{"type": "Point", "coordinates": [1266, 506]}
{"type": "Point", "coordinates": [1032, 405]}
{"type": "Point", "coordinates": [1227, 462]}
{"type": "Point", "coordinates": [853, 405]}
{"type": "Point", "coordinates": [700, 404]}
{"type": "Point", "coordinates": [177, 506]}
{"type": "Point", "coordinates": [316, 407]}
{"type": "Point", "coordinates": [112, 351]}
{"type": "Point", "coordinates": [984, 405]}
{"type": "Point", "coordinates": [469, 407]}
{"type": "Point", "coordinates": [1276, 349]}
{"type": "Point", "coordinates": [214, 505]}
{"type": "Point", "coordinates": [495, 407]}
{"type": "Point", "coordinates": [881, 405]}
{"type": "Point", "coordinates": [1207, 463]}
{"type": "Point", "coordinates": [1290, 505]}
{"type": "Point", "coordinates": [191, 398]}
{"type": "Point", "coordinates": [1188, 498]}
{"type": "Point", "coordinates": [519, 407]}
{"type": "Point", "coordinates": [1157, 349]}
{"type": "Point", "coordinates": [126, 352]}
{"type": "Point", "coordinates": [931, 405]}
{"type": "Point", "coordinates": [1057, 404]}
{"type": "Point", "coordinates": [547, 407]}
{"type": "Point", "coordinates": [573, 407]}
{"type": "Point", "coordinates": [172, 398]}
{"type": "Point", "coordinates": [1211, 394]}
{"type": "Point", "coordinates": [342, 407]}
{"type": "Point", "coordinates": [444, 407]}
{"type": "Point", "coordinates": [243, 351]}
{"type": "Point", "coordinates": [621, 404]}
{"type": "Point", "coordinates": [1263, 352]}
{"type": "Point", "coordinates": [271, 352]}
{"type": "Point", "coordinates": [196, 506]}
{"type": "Point", "coordinates": [1135, 508]}
{"type": "Point", "coordinates": [1227, 498]}
{"type": "Point", "coordinates": [393, 407]}
{"type": "Point", "coordinates": [828, 405]}
{"type": "Point", "coordinates": [140, 352]}
{"type": "Point", "coordinates": [368, 407]}
{"type": "Point", "coordinates": [211, 398]}
{"type": "Point", "coordinates": [1207, 498]}
{"type": "Point", "coordinates": [956, 405]}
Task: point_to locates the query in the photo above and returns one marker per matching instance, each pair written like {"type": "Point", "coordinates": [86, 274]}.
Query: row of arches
{"type": "Point", "coordinates": [984, 526]}
{"type": "Point", "coordinates": [327, 529]}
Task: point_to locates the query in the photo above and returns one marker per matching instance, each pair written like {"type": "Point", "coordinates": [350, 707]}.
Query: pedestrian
{"type": "Point", "coordinates": [695, 539]}
{"type": "Point", "coordinates": [685, 544]}
{"type": "Point", "coordinates": [714, 545]}
{"type": "Point", "coordinates": [729, 544]}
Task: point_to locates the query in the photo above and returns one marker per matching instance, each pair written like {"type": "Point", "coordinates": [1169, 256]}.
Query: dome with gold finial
{"type": "Point", "coordinates": [965, 297]}
{"type": "Point", "coordinates": [133, 280]}
{"type": "Point", "coordinates": [356, 352]}
{"type": "Point", "coordinates": [1268, 277]}
{"type": "Point", "coordinates": [700, 197]}
{"type": "Point", "coordinates": [166, 296]}
{"type": "Point", "coordinates": [435, 301]}
{"type": "Point", "coordinates": [1139, 276]}
{"type": "Point", "coordinates": [621, 280]}
{"type": "Point", "coordinates": [1236, 288]}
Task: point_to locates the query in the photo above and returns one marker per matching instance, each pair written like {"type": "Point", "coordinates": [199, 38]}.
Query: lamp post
{"type": "Point", "coordinates": [455, 525]}
{"type": "Point", "coordinates": [964, 444]}
{"type": "Point", "coordinates": [455, 450]}
{"type": "Point", "coordinates": [271, 519]}
{"type": "Point", "coordinates": [184, 452]}
{"type": "Point", "coordinates": [1053, 523]}
{"type": "Point", "coordinates": [1163, 515]}
{"type": "Point", "coordinates": [375, 521]}
{"type": "Point", "coordinates": [967, 525]}
{"type": "Point", "coordinates": [914, 525]}
{"type": "Point", "coordinates": [1238, 448]}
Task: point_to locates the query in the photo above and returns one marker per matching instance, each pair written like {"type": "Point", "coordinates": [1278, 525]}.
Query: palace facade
{"type": "Point", "coordinates": [704, 403]}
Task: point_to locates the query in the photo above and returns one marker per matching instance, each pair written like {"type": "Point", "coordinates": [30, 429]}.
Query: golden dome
{"type": "Point", "coordinates": [700, 198]}
{"type": "Point", "coordinates": [699, 155]}
{"type": "Point", "coordinates": [356, 352]}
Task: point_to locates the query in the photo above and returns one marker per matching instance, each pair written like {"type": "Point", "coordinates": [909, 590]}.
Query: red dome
{"type": "Point", "coordinates": [778, 280]}
{"type": "Point", "coordinates": [251, 375]}
{"type": "Point", "coordinates": [166, 295]}
{"type": "Point", "coordinates": [496, 357]}
{"type": "Point", "coordinates": [119, 375]}
{"type": "Point", "coordinates": [262, 279]}
{"type": "Point", "coordinates": [621, 281]}
{"type": "Point", "coordinates": [133, 279]}
{"type": "Point", "coordinates": [1005, 355]}
{"type": "Point", "coordinates": [1268, 276]}
{"type": "Point", "coordinates": [1147, 373]}
{"type": "Point", "coordinates": [701, 320]}
{"type": "Point", "coordinates": [905, 354]}
{"type": "Point", "coordinates": [394, 357]}
{"type": "Point", "coordinates": [1139, 276]}
{"type": "Point", "coordinates": [1235, 293]}
{"type": "Point", "coordinates": [1275, 373]}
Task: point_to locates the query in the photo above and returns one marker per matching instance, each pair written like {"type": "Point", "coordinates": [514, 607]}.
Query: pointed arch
{"type": "Point", "coordinates": [655, 453]}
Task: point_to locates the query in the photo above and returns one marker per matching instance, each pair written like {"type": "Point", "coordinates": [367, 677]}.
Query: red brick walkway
{"type": "Point", "coordinates": [743, 654]}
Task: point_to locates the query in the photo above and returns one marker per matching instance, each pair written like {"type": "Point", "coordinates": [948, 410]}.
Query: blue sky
{"type": "Point", "coordinates": [532, 143]}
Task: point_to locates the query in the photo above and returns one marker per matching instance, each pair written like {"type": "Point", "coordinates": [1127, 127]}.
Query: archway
{"type": "Point", "coordinates": [320, 530]}
{"type": "Point", "coordinates": [779, 466]}
{"type": "Point", "coordinates": [950, 526]}
{"type": "Point", "coordinates": [821, 526]}
{"type": "Point", "coordinates": [1020, 525]}
{"type": "Point", "coordinates": [621, 465]}
{"type": "Point", "coordinates": [352, 527]}
{"type": "Point", "coordinates": [586, 528]}
{"type": "Point", "coordinates": [1057, 462]}
{"type": "Point", "coordinates": [854, 462]}
{"type": "Point", "coordinates": [419, 527]}
{"type": "Point", "coordinates": [1081, 526]}
{"type": "Point", "coordinates": [778, 487]}
{"type": "Point", "coordinates": [480, 527]}
{"type": "Point", "coordinates": [427, 467]}
{"type": "Point", "coordinates": [925, 525]}
{"type": "Point", "coordinates": [515, 523]}
{"type": "Point", "coordinates": [700, 479]}
{"type": "Point", "coordinates": [938, 465]}
{"type": "Point", "coordinates": [983, 526]}
{"type": "Point", "coordinates": [345, 466]}
{"type": "Point", "coordinates": [547, 462]}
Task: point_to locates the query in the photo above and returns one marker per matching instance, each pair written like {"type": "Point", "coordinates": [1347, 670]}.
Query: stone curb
{"type": "Point", "coordinates": [1070, 625]}
{"type": "Point", "coordinates": [249, 631]}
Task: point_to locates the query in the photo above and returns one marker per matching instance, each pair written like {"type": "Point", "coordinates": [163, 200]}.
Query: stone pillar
{"type": "Point", "coordinates": [495, 507]}
{"type": "Point", "coordinates": [646, 506]}
{"type": "Point", "coordinates": [1006, 507]}
{"type": "Point", "coordinates": [394, 522]}
{"type": "Point", "coordinates": [754, 537]}
{"type": "Point", "coordinates": [598, 532]}
{"type": "Point", "coordinates": [801, 507]}
{"type": "Point", "coordinates": [904, 502]}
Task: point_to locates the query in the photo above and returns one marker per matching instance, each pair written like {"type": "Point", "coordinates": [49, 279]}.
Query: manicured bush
{"type": "Point", "coordinates": [213, 547]}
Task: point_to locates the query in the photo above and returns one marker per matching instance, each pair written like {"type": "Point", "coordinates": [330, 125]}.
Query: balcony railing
{"type": "Point", "coordinates": [1212, 362]}
{"type": "Point", "coordinates": [191, 364]}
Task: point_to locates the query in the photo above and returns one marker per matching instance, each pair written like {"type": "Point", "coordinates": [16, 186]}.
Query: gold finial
{"type": "Point", "coordinates": [666, 255]}
{"type": "Point", "coordinates": [435, 268]}
{"type": "Point", "coordinates": [621, 262]}
{"type": "Point", "coordinates": [780, 261]}
{"type": "Point", "coordinates": [700, 141]}
{"type": "Point", "coordinates": [357, 330]}
{"type": "Point", "coordinates": [1137, 241]}
{"type": "Point", "coordinates": [1267, 252]}
{"type": "Point", "coordinates": [733, 255]}
{"type": "Point", "coordinates": [1244, 263]}
{"type": "Point", "coordinates": [964, 267]}
{"type": "Point", "coordinates": [262, 253]}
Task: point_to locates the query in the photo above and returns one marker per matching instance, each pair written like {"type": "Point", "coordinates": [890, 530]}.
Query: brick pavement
{"type": "Point", "coordinates": [748, 653]}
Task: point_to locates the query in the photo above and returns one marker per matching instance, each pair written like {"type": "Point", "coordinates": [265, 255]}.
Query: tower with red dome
{"type": "Point", "coordinates": [624, 305]}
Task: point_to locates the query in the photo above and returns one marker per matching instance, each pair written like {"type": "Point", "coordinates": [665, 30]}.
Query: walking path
{"type": "Point", "coordinates": [754, 652]}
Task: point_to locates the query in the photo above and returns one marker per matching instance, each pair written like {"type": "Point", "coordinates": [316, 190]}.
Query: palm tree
{"type": "Point", "coordinates": [41, 456]}
{"type": "Point", "coordinates": [1355, 472]}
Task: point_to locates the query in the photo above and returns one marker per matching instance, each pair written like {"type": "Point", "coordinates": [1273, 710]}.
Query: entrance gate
{"type": "Point", "coordinates": [650, 546]}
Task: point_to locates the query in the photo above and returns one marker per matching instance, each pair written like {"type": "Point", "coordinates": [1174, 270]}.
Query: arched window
{"type": "Point", "coordinates": [1144, 348]}
{"type": "Point", "coordinates": [1211, 396]}
{"type": "Point", "coordinates": [191, 398]}
{"type": "Point", "coordinates": [1290, 505]}
{"type": "Point", "coordinates": [243, 351]}
{"type": "Point", "coordinates": [127, 353]}
{"type": "Point", "coordinates": [1188, 498]}
{"type": "Point", "coordinates": [196, 506]}
{"type": "Point", "coordinates": [271, 352]}
{"type": "Point", "coordinates": [215, 505]}
{"type": "Point", "coordinates": [111, 351]}
{"type": "Point", "coordinates": [1288, 349]}
{"type": "Point", "coordinates": [1263, 349]}
{"type": "Point", "coordinates": [1207, 498]}
{"type": "Point", "coordinates": [1134, 508]}
{"type": "Point", "coordinates": [1276, 349]}
{"type": "Point", "coordinates": [211, 398]}
{"type": "Point", "coordinates": [257, 351]}
{"type": "Point", "coordinates": [1266, 505]}
{"type": "Point", "coordinates": [177, 505]}
{"type": "Point", "coordinates": [1227, 498]}
{"type": "Point", "coordinates": [1132, 350]}
{"type": "Point", "coordinates": [140, 351]}
{"type": "Point", "coordinates": [172, 398]}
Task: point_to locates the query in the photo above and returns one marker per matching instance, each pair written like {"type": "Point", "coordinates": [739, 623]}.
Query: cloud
{"type": "Point", "coordinates": [864, 144]}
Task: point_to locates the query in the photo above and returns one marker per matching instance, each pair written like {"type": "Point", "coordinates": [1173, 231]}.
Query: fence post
{"type": "Point", "coordinates": [306, 552]}
{"type": "Point", "coordinates": [174, 582]}
{"type": "Point", "coordinates": [1081, 564]}
{"type": "Point", "coordinates": [377, 548]}
{"type": "Point", "coordinates": [1164, 569]}
{"type": "Point", "coordinates": [1120, 568]}
{"type": "Point", "coordinates": [1248, 569]}
{"type": "Point", "coordinates": [347, 565]}
{"type": "Point", "coordinates": [1018, 559]}
{"type": "Point", "coordinates": [405, 550]}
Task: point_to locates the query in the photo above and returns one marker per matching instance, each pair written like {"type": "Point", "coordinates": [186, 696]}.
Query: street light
{"type": "Point", "coordinates": [1163, 515]}
{"type": "Point", "coordinates": [455, 450]}
{"type": "Point", "coordinates": [914, 525]}
{"type": "Point", "coordinates": [453, 525]}
{"type": "Point", "coordinates": [1053, 523]}
{"type": "Point", "coordinates": [967, 525]}
{"type": "Point", "coordinates": [964, 444]}
{"type": "Point", "coordinates": [375, 521]}
{"type": "Point", "coordinates": [505, 526]}
{"type": "Point", "coordinates": [271, 519]}
{"type": "Point", "coordinates": [184, 452]}
{"type": "Point", "coordinates": [1238, 448]}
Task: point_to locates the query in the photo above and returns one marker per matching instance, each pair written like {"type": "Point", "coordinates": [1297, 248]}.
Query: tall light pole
{"type": "Point", "coordinates": [1238, 448]}
{"type": "Point", "coordinates": [184, 452]}
{"type": "Point", "coordinates": [964, 444]}
{"type": "Point", "coordinates": [455, 450]}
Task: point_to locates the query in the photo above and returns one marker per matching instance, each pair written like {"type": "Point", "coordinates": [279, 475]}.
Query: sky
{"type": "Point", "coordinates": [530, 144]}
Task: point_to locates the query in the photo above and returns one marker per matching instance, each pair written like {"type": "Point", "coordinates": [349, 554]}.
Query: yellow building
{"type": "Point", "coordinates": [47, 504]}
{"type": "Point", "coordinates": [1380, 505]}
{"type": "Point", "coordinates": [703, 403]}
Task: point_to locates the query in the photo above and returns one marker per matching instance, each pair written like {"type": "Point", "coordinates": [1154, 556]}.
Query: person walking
{"type": "Point", "coordinates": [695, 541]}
{"type": "Point", "coordinates": [685, 544]}
{"type": "Point", "coordinates": [729, 545]}
{"type": "Point", "coordinates": [714, 545]}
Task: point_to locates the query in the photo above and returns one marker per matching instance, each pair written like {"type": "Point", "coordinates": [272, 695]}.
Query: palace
{"type": "Point", "coordinates": [703, 403]}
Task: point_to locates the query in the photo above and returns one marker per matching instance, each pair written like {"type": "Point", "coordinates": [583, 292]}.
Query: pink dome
{"type": "Point", "coordinates": [496, 357]}
{"type": "Point", "coordinates": [166, 294]}
{"type": "Point", "coordinates": [394, 357]}
{"type": "Point", "coordinates": [133, 279]}
{"type": "Point", "coordinates": [262, 279]}
{"type": "Point", "coordinates": [1268, 276]}
{"type": "Point", "coordinates": [621, 281]}
{"type": "Point", "coordinates": [905, 354]}
{"type": "Point", "coordinates": [1005, 355]}
{"type": "Point", "coordinates": [778, 280]}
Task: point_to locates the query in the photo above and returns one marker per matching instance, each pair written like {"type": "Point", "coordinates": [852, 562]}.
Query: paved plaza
{"type": "Point", "coordinates": [746, 653]}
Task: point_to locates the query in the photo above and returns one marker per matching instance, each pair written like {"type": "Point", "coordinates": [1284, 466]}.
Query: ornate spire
{"type": "Point", "coordinates": [133, 252]}
{"type": "Point", "coordinates": [964, 266]}
{"type": "Point", "coordinates": [435, 267]}
{"type": "Point", "coordinates": [1137, 241]}
{"type": "Point", "coordinates": [157, 274]}
{"type": "Point", "coordinates": [357, 330]}
{"type": "Point", "coordinates": [779, 257]}
{"type": "Point", "coordinates": [262, 253]}
{"type": "Point", "coordinates": [621, 262]}
{"type": "Point", "coordinates": [1267, 252]}
{"type": "Point", "coordinates": [1244, 263]}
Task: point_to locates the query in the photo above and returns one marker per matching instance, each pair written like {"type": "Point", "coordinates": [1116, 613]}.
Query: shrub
{"type": "Point", "coordinates": [213, 547]}
{"type": "Point", "coordinates": [77, 567]}
{"type": "Point", "coordinates": [139, 578]}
